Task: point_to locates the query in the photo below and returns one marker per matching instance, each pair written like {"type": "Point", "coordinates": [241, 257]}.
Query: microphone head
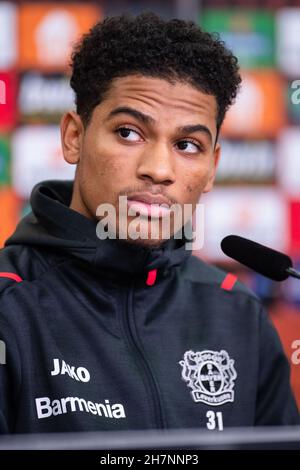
{"type": "Point", "coordinates": [263, 260]}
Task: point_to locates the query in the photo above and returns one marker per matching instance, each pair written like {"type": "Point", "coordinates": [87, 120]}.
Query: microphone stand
{"type": "Point", "coordinates": [292, 272]}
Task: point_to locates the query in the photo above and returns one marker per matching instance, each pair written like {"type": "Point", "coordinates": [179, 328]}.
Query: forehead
{"type": "Point", "coordinates": [162, 100]}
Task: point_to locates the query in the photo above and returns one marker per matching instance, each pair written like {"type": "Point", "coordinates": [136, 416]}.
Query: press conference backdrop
{"type": "Point", "coordinates": [257, 192]}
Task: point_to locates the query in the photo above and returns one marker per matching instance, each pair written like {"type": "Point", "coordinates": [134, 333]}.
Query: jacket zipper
{"type": "Point", "coordinates": [142, 362]}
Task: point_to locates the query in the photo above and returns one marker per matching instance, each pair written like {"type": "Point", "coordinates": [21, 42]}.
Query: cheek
{"type": "Point", "coordinates": [192, 194]}
{"type": "Point", "coordinates": [104, 173]}
{"type": "Point", "coordinates": [193, 173]}
{"type": "Point", "coordinates": [193, 186]}
{"type": "Point", "coordinates": [99, 162]}
{"type": "Point", "coordinates": [99, 176]}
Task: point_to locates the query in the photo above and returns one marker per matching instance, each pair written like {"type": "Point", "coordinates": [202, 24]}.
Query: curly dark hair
{"type": "Point", "coordinates": [174, 50]}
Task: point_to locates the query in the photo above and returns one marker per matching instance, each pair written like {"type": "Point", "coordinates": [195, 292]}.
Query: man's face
{"type": "Point", "coordinates": [149, 140]}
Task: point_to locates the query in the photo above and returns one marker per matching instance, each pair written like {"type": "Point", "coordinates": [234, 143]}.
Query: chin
{"type": "Point", "coordinates": [147, 243]}
{"type": "Point", "coordinates": [159, 235]}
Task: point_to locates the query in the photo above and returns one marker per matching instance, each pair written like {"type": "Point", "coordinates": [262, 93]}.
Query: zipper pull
{"type": "Point", "coordinates": [151, 277]}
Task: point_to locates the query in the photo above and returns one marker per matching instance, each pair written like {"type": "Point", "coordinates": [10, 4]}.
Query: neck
{"type": "Point", "coordinates": [77, 203]}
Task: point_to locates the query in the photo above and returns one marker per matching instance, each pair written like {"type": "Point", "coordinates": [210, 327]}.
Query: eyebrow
{"type": "Point", "coordinates": [190, 129]}
{"type": "Point", "coordinates": [146, 119]}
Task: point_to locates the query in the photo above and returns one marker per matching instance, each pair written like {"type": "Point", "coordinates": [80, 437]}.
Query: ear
{"type": "Point", "coordinates": [71, 130]}
{"type": "Point", "coordinates": [212, 172]}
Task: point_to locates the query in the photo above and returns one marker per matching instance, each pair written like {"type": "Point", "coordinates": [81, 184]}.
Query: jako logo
{"type": "Point", "coordinates": [2, 92]}
{"type": "Point", "coordinates": [81, 373]}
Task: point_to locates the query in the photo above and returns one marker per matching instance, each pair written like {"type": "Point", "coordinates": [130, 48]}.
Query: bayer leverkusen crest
{"type": "Point", "coordinates": [210, 375]}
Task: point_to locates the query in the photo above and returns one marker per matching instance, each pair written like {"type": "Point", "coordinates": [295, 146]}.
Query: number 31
{"type": "Point", "coordinates": [214, 420]}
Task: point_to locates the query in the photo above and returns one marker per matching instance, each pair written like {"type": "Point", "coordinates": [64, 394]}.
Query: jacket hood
{"type": "Point", "coordinates": [52, 223]}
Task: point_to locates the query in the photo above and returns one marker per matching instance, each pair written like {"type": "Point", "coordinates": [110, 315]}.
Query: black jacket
{"type": "Point", "coordinates": [88, 344]}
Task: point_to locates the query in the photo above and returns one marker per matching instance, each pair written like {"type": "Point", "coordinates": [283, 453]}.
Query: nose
{"type": "Point", "coordinates": [157, 164]}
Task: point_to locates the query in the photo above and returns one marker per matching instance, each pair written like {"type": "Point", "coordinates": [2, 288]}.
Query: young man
{"type": "Point", "coordinates": [129, 332]}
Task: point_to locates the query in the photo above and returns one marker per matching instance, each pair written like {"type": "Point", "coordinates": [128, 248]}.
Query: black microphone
{"type": "Point", "coordinates": [266, 261]}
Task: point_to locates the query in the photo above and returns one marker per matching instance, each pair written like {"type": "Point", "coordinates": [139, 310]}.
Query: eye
{"type": "Point", "coordinates": [189, 146]}
{"type": "Point", "coordinates": [128, 134]}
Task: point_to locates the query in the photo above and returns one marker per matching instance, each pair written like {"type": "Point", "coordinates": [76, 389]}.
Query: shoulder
{"type": "Point", "coordinates": [224, 295]}
{"type": "Point", "coordinates": [198, 271]}
{"type": "Point", "coordinates": [13, 266]}
{"type": "Point", "coordinates": [20, 263]}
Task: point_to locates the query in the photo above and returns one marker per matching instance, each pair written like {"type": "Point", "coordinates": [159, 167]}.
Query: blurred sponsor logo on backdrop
{"type": "Point", "coordinates": [255, 213]}
{"type": "Point", "coordinates": [44, 97]}
{"type": "Point", "coordinates": [259, 110]}
{"type": "Point", "coordinates": [4, 161]}
{"type": "Point", "coordinates": [247, 161]}
{"type": "Point", "coordinates": [37, 156]}
{"type": "Point", "coordinates": [10, 206]}
{"type": "Point", "coordinates": [48, 31]}
{"type": "Point", "coordinates": [8, 35]}
{"type": "Point", "coordinates": [288, 161]}
{"type": "Point", "coordinates": [288, 41]}
{"type": "Point", "coordinates": [248, 33]}
{"type": "Point", "coordinates": [8, 106]}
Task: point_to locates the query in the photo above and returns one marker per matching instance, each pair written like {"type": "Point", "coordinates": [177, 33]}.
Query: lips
{"type": "Point", "coordinates": [149, 205]}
